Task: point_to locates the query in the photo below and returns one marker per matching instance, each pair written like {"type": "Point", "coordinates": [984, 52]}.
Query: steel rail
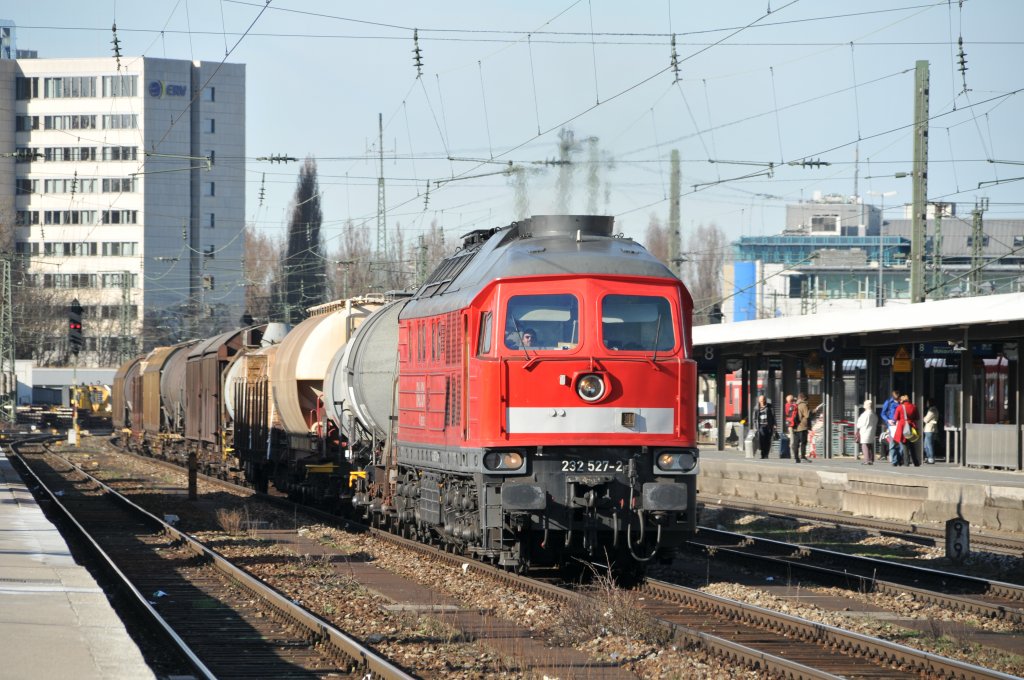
{"type": "Point", "coordinates": [909, 572]}
{"type": "Point", "coordinates": [850, 643]}
{"type": "Point", "coordinates": [846, 641]}
{"type": "Point", "coordinates": [122, 581]}
{"type": "Point", "coordinates": [909, 531]}
{"type": "Point", "coordinates": [375, 665]}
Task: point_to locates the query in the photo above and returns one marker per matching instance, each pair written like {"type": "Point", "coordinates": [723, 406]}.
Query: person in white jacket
{"type": "Point", "coordinates": [867, 426]}
{"type": "Point", "coordinates": [931, 426]}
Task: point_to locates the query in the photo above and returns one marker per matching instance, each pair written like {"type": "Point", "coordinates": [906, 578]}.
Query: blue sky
{"type": "Point", "coordinates": [812, 79]}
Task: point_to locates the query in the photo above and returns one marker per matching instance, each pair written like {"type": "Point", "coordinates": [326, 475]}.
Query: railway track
{"type": "Point", "coordinates": [738, 633]}
{"type": "Point", "coordinates": [777, 643]}
{"type": "Point", "coordinates": [956, 592]}
{"type": "Point", "coordinates": [225, 623]}
{"type": "Point", "coordinates": [921, 534]}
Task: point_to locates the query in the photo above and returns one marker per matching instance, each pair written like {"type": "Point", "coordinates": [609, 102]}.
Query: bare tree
{"type": "Point", "coordinates": [657, 239]}
{"type": "Point", "coordinates": [702, 270]}
{"type": "Point", "coordinates": [262, 272]}
{"type": "Point", "coordinates": [352, 275]}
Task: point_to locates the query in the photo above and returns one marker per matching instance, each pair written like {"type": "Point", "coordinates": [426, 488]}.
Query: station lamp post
{"type": "Point", "coordinates": [880, 295]}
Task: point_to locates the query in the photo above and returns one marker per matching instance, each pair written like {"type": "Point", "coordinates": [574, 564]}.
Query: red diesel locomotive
{"type": "Point", "coordinates": [534, 400]}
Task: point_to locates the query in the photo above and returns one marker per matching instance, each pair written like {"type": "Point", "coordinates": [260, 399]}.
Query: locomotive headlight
{"type": "Point", "coordinates": [590, 387]}
{"type": "Point", "coordinates": [503, 461]}
{"type": "Point", "coordinates": [512, 460]}
{"type": "Point", "coordinates": [676, 460]}
{"type": "Point", "coordinates": [667, 461]}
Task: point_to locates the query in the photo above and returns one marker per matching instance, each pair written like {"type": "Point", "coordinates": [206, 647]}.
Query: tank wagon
{"type": "Point", "coordinates": [283, 434]}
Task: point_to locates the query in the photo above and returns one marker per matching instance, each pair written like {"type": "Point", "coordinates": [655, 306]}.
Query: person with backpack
{"type": "Point", "coordinates": [788, 413]}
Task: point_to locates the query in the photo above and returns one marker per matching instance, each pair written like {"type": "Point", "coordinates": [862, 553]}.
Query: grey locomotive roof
{"type": "Point", "coordinates": [541, 245]}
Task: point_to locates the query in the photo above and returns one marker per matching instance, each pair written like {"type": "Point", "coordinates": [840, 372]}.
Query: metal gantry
{"type": "Point", "coordinates": [8, 377]}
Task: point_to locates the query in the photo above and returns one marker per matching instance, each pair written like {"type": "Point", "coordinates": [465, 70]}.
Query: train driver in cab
{"type": "Point", "coordinates": [527, 339]}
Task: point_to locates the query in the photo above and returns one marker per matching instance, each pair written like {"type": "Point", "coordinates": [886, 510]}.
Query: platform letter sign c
{"type": "Point", "coordinates": [828, 344]}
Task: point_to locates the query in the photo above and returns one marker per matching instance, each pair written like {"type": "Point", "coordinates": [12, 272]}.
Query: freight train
{"type": "Point", "coordinates": [533, 402]}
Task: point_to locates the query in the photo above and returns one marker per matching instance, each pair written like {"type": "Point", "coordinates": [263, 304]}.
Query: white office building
{"type": "Point", "coordinates": [125, 183]}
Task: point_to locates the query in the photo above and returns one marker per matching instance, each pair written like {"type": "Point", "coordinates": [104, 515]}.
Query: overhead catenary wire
{"type": "Point", "coordinates": [591, 35]}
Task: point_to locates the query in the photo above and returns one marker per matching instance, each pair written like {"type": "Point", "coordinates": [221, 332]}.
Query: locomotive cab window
{"type": "Point", "coordinates": [637, 323]}
{"type": "Point", "coordinates": [484, 341]}
{"type": "Point", "coordinates": [549, 322]}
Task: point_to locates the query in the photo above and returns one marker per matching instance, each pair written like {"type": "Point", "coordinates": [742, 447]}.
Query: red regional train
{"type": "Point", "coordinates": [531, 403]}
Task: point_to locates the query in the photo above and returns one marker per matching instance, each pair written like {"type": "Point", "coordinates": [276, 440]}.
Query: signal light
{"type": "Point", "coordinates": [75, 339]}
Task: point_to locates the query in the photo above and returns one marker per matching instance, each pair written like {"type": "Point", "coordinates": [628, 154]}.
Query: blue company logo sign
{"type": "Point", "coordinates": [158, 88]}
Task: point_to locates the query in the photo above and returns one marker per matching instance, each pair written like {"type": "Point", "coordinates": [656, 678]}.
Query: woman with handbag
{"type": "Point", "coordinates": [907, 432]}
{"type": "Point", "coordinates": [867, 423]}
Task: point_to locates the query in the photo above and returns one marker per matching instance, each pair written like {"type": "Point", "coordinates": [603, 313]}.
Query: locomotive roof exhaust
{"type": "Point", "coordinates": [574, 226]}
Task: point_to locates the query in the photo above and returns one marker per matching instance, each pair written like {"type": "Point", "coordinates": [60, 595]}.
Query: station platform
{"type": "Point", "coordinates": [992, 500]}
{"type": "Point", "coordinates": [55, 621]}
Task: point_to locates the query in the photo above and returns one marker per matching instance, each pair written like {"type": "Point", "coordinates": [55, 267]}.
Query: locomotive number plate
{"type": "Point", "coordinates": [591, 466]}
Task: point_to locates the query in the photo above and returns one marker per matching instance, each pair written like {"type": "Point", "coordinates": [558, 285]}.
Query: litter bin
{"type": "Point", "coordinates": [749, 444]}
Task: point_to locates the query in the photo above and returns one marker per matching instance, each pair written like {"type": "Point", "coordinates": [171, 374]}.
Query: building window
{"type": "Point", "coordinates": [209, 94]}
{"type": "Point", "coordinates": [120, 217]}
{"type": "Point", "coordinates": [26, 154]}
{"type": "Point", "coordinates": [984, 241]}
{"type": "Point", "coordinates": [69, 86]}
{"type": "Point", "coordinates": [121, 121]}
{"type": "Point", "coordinates": [209, 125]}
{"type": "Point", "coordinates": [210, 189]}
{"type": "Point", "coordinates": [25, 218]}
{"type": "Point", "coordinates": [120, 153]}
{"type": "Point", "coordinates": [69, 217]}
{"type": "Point", "coordinates": [824, 222]}
{"type": "Point", "coordinates": [1018, 241]}
{"type": "Point", "coordinates": [211, 156]}
{"type": "Point", "coordinates": [210, 220]}
{"type": "Point", "coordinates": [69, 280]}
{"type": "Point", "coordinates": [120, 248]}
{"type": "Point", "coordinates": [69, 153]}
{"type": "Point", "coordinates": [27, 123]}
{"type": "Point", "coordinates": [117, 185]}
{"type": "Point", "coordinates": [27, 88]}
{"type": "Point", "coordinates": [120, 86]}
{"type": "Point", "coordinates": [24, 187]}
{"type": "Point", "coordinates": [69, 186]}
{"type": "Point", "coordinates": [74, 122]}
{"type": "Point", "coordinates": [208, 252]}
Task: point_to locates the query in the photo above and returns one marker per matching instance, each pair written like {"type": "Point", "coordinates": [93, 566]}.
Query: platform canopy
{"type": "Point", "coordinates": [932, 315]}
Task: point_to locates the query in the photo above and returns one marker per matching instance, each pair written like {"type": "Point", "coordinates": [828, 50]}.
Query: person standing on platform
{"type": "Point", "coordinates": [867, 426]}
{"type": "Point", "coordinates": [800, 426]}
{"type": "Point", "coordinates": [889, 420]}
{"type": "Point", "coordinates": [906, 415]}
{"type": "Point", "coordinates": [764, 417]}
{"type": "Point", "coordinates": [788, 411]}
{"type": "Point", "coordinates": [931, 427]}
